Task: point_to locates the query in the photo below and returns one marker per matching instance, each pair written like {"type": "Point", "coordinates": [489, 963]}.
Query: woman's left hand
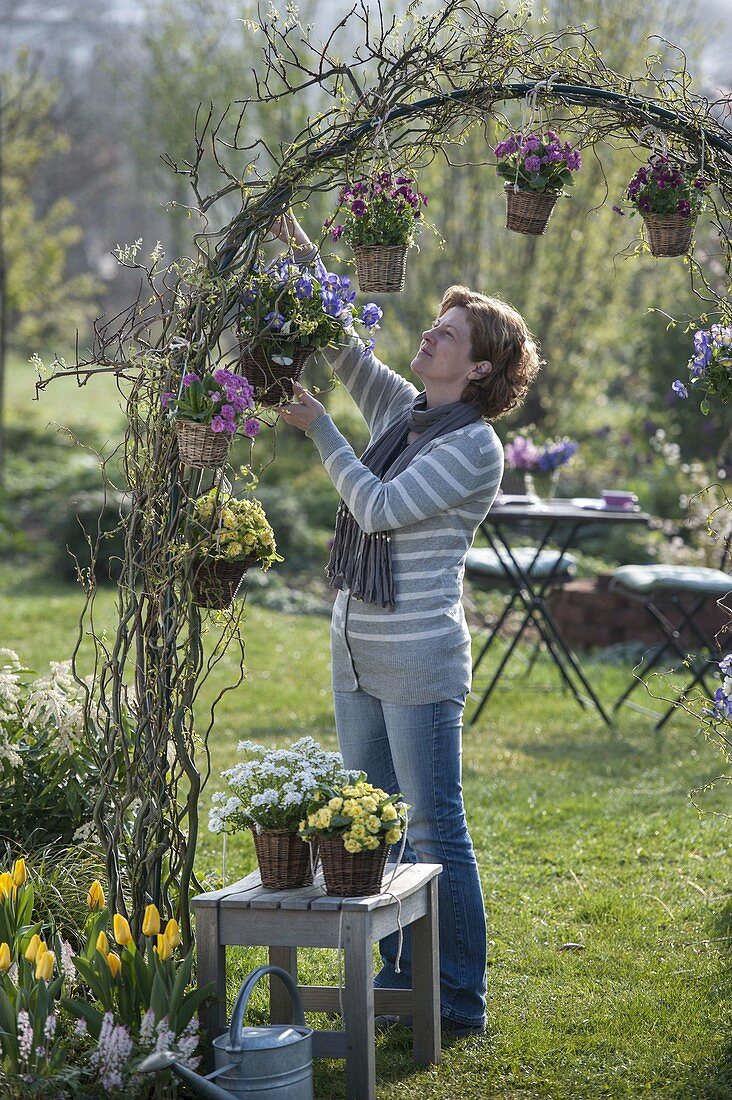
{"type": "Point", "coordinates": [302, 412]}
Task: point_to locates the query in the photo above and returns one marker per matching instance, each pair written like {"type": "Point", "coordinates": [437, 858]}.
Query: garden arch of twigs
{"type": "Point", "coordinates": [414, 85]}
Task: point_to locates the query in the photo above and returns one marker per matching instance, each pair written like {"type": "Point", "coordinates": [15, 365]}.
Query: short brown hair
{"type": "Point", "coordinates": [499, 334]}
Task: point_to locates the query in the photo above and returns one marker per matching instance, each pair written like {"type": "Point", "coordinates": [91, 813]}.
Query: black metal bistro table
{"type": "Point", "coordinates": [551, 524]}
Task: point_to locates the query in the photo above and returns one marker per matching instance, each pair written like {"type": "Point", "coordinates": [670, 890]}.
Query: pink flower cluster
{"type": "Point", "coordinates": [663, 187]}
{"type": "Point", "coordinates": [538, 154]}
{"type": "Point", "coordinates": [374, 198]}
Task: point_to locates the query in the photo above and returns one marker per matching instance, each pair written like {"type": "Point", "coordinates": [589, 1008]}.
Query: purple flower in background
{"type": "Point", "coordinates": [252, 428]}
{"type": "Point", "coordinates": [371, 314]}
{"type": "Point", "coordinates": [522, 454]}
{"type": "Point", "coordinates": [531, 144]}
{"type": "Point", "coordinates": [166, 398]}
{"type": "Point", "coordinates": [358, 207]}
{"type": "Point", "coordinates": [218, 424]}
{"type": "Point", "coordinates": [574, 161]}
{"type": "Point", "coordinates": [532, 164]}
{"type": "Point", "coordinates": [249, 295]}
{"type": "Point", "coordinates": [336, 232]}
{"type": "Point", "coordinates": [679, 388]}
{"type": "Point", "coordinates": [275, 320]}
{"type": "Point", "coordinates": [506, 148]}
{"type": "Point", "coordinates": [619, 211]}
{"type": "Point", "coordinates": [190, 378]}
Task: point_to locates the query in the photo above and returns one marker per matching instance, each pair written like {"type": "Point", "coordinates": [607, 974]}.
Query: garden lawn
{"type": "Point", "coordinates": [583, 836]}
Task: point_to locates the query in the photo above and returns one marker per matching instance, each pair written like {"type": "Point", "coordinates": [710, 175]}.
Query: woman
{"type": "Point", "coordinates": [400, 645]}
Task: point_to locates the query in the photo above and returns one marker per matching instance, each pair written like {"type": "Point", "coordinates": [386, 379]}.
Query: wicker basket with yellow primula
{"type": "Point", "coordinates": [227, 534]}
{"type": "Point", "coordinates": [355, 825]}
{"type": "Point", "coordinates": [364, 816]}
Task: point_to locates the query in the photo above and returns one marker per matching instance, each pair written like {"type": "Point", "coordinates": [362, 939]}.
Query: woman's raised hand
{"type": "Point", "coordinates": [286, 228]}
{"type": "Point", "coordinates": [302, 413]}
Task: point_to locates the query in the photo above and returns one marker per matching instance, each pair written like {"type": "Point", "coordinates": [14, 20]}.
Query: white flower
{"type": "Point", "coordinates": [127, 253]}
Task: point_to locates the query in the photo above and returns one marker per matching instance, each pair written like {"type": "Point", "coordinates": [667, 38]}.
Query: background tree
{"type": "Point", "coordinates": [38, 297]}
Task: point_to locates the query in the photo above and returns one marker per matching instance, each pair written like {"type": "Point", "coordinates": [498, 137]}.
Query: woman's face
{"type": "Point", "coordinates": [444, 354]}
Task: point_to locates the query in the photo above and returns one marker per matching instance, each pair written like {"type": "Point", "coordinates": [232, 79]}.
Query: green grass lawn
{"type": "Point", "coordinates": [583, 836]}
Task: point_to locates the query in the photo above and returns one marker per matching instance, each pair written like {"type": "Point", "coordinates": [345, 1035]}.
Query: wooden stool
{"type": "Point", "coordinates": [246, 913]}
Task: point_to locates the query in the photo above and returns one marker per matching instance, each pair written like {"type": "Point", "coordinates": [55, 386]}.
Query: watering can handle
{"type": "Point", "coordinates": [242, 1000]}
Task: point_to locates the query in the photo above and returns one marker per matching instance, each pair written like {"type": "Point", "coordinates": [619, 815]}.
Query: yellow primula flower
{"type": "Point", "coordinates": [335, 804]}
{"type": "Point", "coordinates": [352, 845]}
{"type": "Point", "coordinates": [389, 813]}
{"type": "Point", "coordinates": [352, 808]}
{"type": "Point", "coordinates": [44, 966]}
{"type": "Point", "coordinates": [394, 835]}
{"type": "Point", "coordinates": [371, 842]}
{"type": "Point", "coordinates": [234, 549]}
{"type": "Point", "coordinates": [358, 830]}
{"type": "Point", "coordinates": [95, 896]}
{"type": "Point", "coordinates": [322, 818]}
{"type": "Point", "coordinates": [151, 921]}
{"type": "Point", "coordinates": [20, 873]}
{"type": "Point", "coordinates": [370, 804]}
{"type": "Point", "coordinates": [372, 823]}
{"type": "Point", "coordinates": [122, 930]}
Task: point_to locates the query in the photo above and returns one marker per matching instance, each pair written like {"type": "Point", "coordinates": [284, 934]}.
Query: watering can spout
{"type": "Point", "coordinates": [165, 1059]}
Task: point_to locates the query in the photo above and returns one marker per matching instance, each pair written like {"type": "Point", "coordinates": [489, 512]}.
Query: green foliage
{"type": "Point", "coordinates": [41, 297]}
{"type": "Point", "coordinates": [48, 775]}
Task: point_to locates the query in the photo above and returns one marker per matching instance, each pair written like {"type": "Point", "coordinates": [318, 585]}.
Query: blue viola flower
{"type": "Point", "coordinates": [371, 314]}
{"type": "Point", "coordinates": [304, 287]}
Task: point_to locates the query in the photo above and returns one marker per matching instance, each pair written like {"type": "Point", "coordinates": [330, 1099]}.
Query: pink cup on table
{"type": "Point", "coordinates": [619, 499]}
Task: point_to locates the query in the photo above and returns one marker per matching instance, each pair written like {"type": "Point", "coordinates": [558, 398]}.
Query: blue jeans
{"type": "Point", "coordinates": [417, 750]}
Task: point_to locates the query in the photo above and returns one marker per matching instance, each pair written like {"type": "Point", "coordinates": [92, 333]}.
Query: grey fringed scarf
{"type": "Point", "coordinates": [362, 562]}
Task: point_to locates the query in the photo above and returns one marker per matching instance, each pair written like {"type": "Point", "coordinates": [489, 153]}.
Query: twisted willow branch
{"type": "Point", "coordinates": [419, 85]}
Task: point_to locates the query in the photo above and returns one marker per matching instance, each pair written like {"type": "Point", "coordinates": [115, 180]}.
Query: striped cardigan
{"type": "Point", "coordinates": [418, 652]}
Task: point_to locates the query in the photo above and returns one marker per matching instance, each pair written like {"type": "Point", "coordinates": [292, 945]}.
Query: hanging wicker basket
{"type": "Point", "coordinates": [381, 268]}
{"type": "Point", "coordinates": [272, 382]}
{"type": "Point", "coordinates": [529, 211]}
{"type": "Point", "coordinates": [669, 234]}
{"type": "Point", "coordinates": [217, 581]}
{"type": "Point", "coordinates": [284, 859]}
{"type": "Point", "coordinates": [351, 874]}
{"type": "Point", "coordinates": [199, 446]}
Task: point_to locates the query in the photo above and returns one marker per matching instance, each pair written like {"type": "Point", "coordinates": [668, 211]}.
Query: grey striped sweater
{"type": "Point", "coordinates": [418, 652]}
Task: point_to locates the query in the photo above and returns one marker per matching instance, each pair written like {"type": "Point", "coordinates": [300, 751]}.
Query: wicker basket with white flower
{"type": "Point", "coordinates": [355, 824]}
{"type": "Point", "coordinates": [269, 792]}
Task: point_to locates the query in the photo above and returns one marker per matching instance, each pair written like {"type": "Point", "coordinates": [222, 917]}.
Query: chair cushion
{"type": "Point", "coordinates": [487, 564]}
{"type": "Point", "coordinates": [676, 578]}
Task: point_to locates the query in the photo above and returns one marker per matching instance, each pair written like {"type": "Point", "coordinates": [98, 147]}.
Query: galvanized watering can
{"type": "Point", "coordinates": [274, 1061]}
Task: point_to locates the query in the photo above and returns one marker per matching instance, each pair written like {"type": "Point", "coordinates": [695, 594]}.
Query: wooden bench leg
{"type": "Point", "coordinates": [280, 1009]}
{"type": "Point", "coordinates": [211, 967]}
{"type": "Point", "coordinates": [358, 1008]}
{"type": "Point", "coordinates": [425, 935]}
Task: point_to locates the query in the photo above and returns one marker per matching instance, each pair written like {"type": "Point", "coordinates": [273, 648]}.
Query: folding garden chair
{"type": "Point", "coordinates": [527, 573]}
{"type": "Point", "coordinates": [675, 597]}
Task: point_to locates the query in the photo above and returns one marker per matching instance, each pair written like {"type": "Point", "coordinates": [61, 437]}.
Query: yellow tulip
{"type": "Point", "coordinates": [95, 897]}
{"type": "Point", "coordinates": [102, 943]}
{"type": "Point", "coordinates": [163, 948]}
{"type": "Point", "coordinates": [5, 959]}
{"type": "Point", "coordinates": [36, 944]}
{"type": "Point", "coordinates": [122, 931]}
{"type": "Point", "coordinates": [114, 963]}
{"type": "Point", "coordinates": [172, 933]}
{"type": "Point", "coordinates": [151, 921]}
{"type": "Point", "coordinates": [20, 874]}
{"type": "Point", "coordinates": [44, 965]}
{"type": "Point", "coordinates": [8, 889]}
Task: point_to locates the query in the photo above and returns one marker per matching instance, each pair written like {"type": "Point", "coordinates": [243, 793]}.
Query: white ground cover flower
{"type": "Point", "coordinates": [272, 787]}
